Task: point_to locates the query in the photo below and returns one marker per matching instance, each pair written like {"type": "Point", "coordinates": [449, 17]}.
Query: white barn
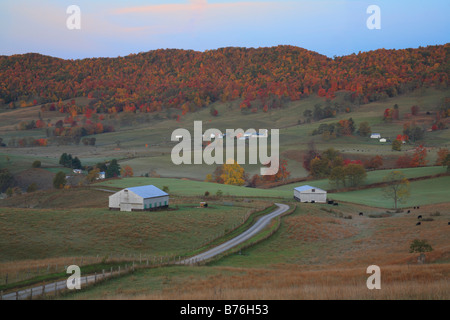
{"type": "Point", "coordinates": [138, 199]}
{"type": "Point", "coordinates": [310, 194]}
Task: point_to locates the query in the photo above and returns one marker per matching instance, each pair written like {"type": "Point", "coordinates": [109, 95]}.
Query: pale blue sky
{"type": "Point", "coordinates": [113, 28]}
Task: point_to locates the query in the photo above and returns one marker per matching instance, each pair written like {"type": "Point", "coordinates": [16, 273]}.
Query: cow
{"type": "Point", "coordinates": [419, 217]}
{"type": "Point", "coordinates": [418, 223]}
{"type": "Point", "coordinates": [335, 204]}
{"type": "Point", "coordinates": [449, 223]}
{"type": "Point", "coordinates": [418, 207]}
{"type": "Point", "coordinates": [409, 211]}
{"type": "Point", "coordinates": [361, 213]}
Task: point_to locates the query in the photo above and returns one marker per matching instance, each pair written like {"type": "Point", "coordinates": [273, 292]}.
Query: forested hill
{"type": "Point", "coordinates": [188, 79]}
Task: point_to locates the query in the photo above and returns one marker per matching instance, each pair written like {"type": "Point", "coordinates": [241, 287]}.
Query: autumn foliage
{"type": "Point", "coordinates": [161, 79]}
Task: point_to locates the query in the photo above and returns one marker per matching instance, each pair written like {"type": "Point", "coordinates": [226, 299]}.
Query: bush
{"type": "Point", "coordinates": [59, 181]}
{"type": "Point", "coordinates": [36, 164]}
{"type": "Point", "coordinates": [32, 187]}
{"type": "Point", "coordinates": [420, 246]}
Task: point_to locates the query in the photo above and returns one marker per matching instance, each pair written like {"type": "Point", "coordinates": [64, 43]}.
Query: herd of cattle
{"type": "Point", "coordinates": [334, 203]}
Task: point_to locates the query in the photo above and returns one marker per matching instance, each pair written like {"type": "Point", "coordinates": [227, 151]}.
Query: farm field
{"type": "Point", "coordinates": [431, 191]}
{"type": "Point", "coordinates": [196, 188]}
{"type": "Point", "coordinates": [372, 177]}
{"type": "Point", "coordinates": [50, 233]}
{"type": "Point", "coordinates": [128, 142]}
{"type": "Point", "coordinates": [315, 254]}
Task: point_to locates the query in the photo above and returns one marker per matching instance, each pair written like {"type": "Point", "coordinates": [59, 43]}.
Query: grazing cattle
{"type": "Point", "coordinates": [414, 207]}
{"type": "Point", "coordinates": [449, 223]}
{"type": "Point", "coordinates": [330, 201]}
{"type": "Point", "coordinates": [418, 207]}
{"type": "Point", "coordinates": [419, 217]}
{"type": "Point", "coordinates": [418, 223]}
{"type": "Point", "coordinates": [361, 213]}
{"type": "Point", "coordinates": [335, 204]}
{"type": "Point", "coordinates": [409, 211]}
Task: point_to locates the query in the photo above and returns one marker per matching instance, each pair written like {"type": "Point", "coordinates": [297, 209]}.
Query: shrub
{"type": "Point", "coordinates": [420, 246]}
{"type": "Point", "coordinates": [32, 187]}
{"type": "Point", "coordinates": [36, 164]}
{"type": "Point", "coordinates": [59, 181]}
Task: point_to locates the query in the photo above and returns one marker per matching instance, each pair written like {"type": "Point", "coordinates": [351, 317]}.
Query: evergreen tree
{"type": "Point", "coordinates": [113, 169]}
{"type": "Point", "coordinates": [59, 181]}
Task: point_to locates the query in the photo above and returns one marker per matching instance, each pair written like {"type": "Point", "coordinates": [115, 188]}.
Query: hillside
{"type": "Point", "coordinates": [189, 80]}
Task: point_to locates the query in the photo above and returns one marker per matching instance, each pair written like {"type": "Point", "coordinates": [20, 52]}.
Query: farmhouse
{"type": "Point", "coordinates": [138, 199]}
{"type": "Point", "coordinates": [310, 194]}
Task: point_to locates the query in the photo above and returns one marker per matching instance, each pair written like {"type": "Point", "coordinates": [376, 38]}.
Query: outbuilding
{"type": "Point", "coordinates": [139, 199]}
{"type": "Point", "coordinates": [310, 194]}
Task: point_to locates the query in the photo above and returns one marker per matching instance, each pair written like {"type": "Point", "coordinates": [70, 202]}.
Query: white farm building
{"type": "Point", "coordinates": [139, 199]}
{"type": "Point", "coordinates": [310, 194]}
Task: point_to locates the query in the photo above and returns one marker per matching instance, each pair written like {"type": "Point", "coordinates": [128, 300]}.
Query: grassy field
{"type": "Point", "coordinates": [422, 192]}
{"type": "Point", "coordinates": [314, 255]}
{"type": "Point", "coordinates": [196, 188]}
{"type": "Point", "coordinates": [128, 143]}
{"type": "Point", "coordinates": [318, 252]}
{"type": "Point", "coordinates": [372, 177]}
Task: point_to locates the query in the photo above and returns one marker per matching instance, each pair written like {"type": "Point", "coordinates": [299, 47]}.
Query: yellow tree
{"type": "Point", "coordinates": [397, 187]}
{"type": "Point", "coordinates": [232, 173]}
{"type": "Point", "coordinates": [93, 175]}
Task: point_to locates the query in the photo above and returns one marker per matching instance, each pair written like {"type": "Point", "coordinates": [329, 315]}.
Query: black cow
{"type": "Point", "coordinates": [449, 223]}
{"type": "Point", "coordinates": [418, 207]}
{"type": "Point", "coordinates": [335, 204]}
{"type": "Point", "coordinates": [361, 213]}
{"type": "Point", "coordinates": [418, 223]}
{"type": "Point", "coordinates": [419, 217]}
{"type": "Point", "coordinates": [409, 211]}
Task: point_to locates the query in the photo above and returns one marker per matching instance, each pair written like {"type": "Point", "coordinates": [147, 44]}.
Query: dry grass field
{"type": "Point", "coordinates": [316, 254]}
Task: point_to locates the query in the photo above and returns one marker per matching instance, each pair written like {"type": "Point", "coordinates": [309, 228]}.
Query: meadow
{"type": "Point", "coordinates": [146, 147]}
{"type": "Point", "coordinates": [315, 254]}
{"type": "Point", "coordinates": [430, 191]}
{"type": "Point", "coordinates": [318, 252]}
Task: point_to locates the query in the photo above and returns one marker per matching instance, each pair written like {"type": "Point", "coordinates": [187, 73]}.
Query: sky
{"type": "Point", "coordinates": [118, 28]}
